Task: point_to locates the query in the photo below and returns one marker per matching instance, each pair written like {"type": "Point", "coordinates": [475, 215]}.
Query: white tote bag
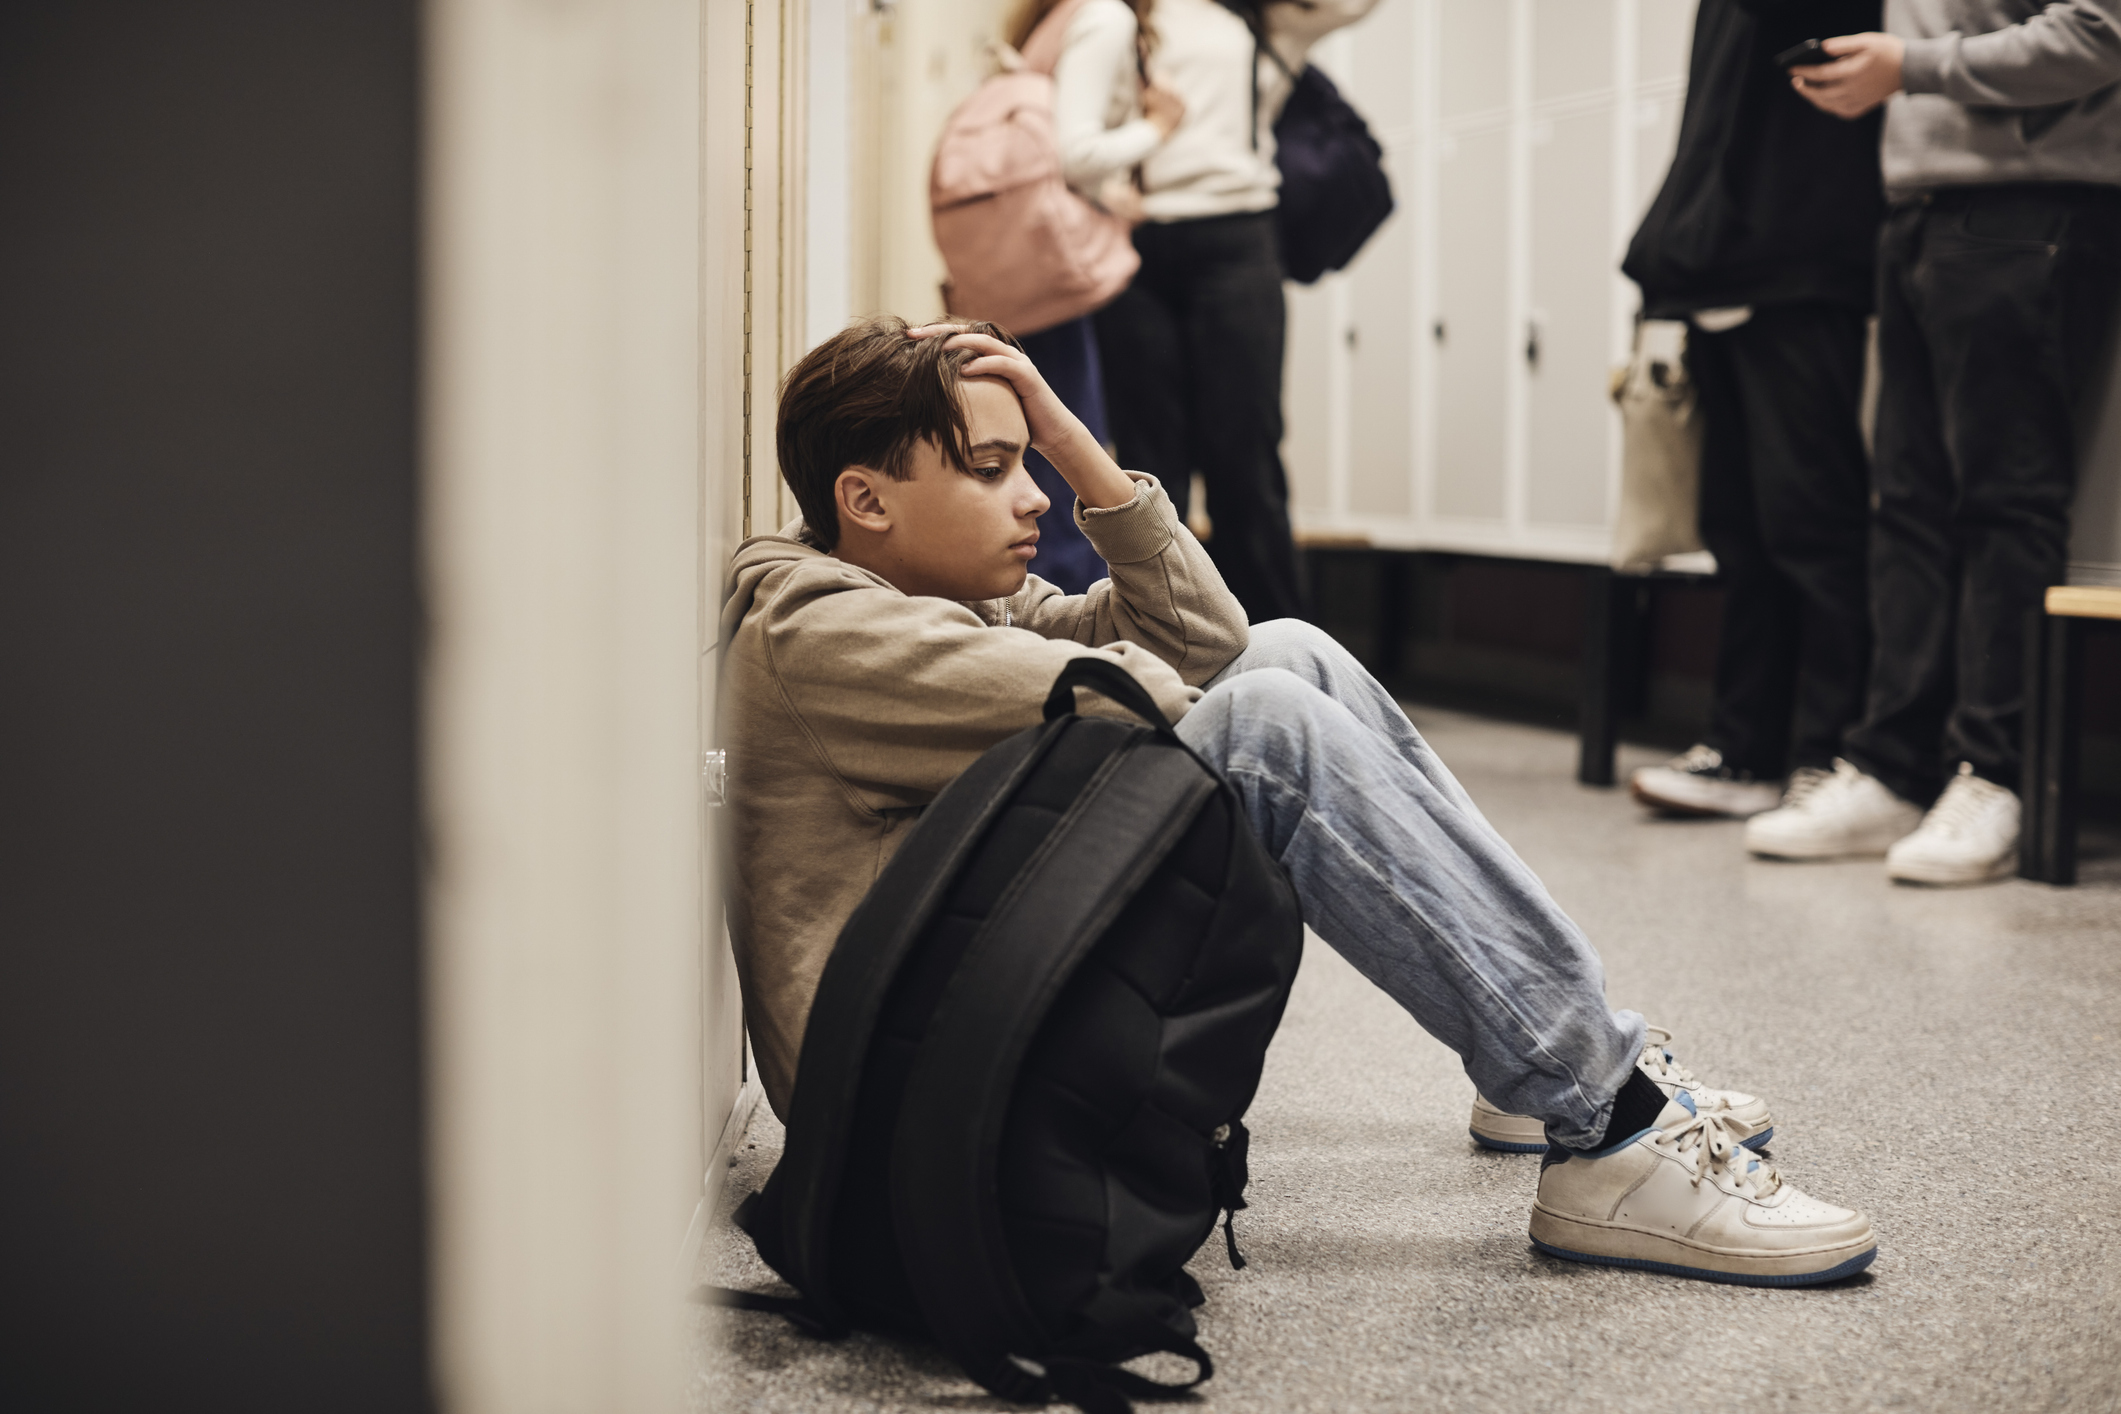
{"type": "Point", "coordinates": [1660, 459]}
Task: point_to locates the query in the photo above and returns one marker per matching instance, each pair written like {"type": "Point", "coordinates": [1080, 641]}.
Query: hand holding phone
{"type": "Point", "coordinates": [1850, 75]}
{"type": "Point", "coordinates": [1809, 52]}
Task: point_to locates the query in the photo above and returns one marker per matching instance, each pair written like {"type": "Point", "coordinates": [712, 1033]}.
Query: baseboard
{"type": "Point", "coordinates": [747, 1103]}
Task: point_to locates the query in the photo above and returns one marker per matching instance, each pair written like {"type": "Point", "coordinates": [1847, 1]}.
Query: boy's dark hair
{"type": "Point", "coordinates": [865, 397]}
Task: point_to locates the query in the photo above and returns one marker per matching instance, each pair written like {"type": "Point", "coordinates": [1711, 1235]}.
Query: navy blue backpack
{"type": "Point", "coordinates": [1334, 191]}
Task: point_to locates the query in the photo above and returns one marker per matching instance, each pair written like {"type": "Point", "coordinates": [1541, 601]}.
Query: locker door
{"type": "Point", "coordinates": [1379, 63]}
{"type": "Point", "coordinates": [1470, 333]}
{"type": "Point", "coordinates": [1568, 336]}
{"type": "Point", "coordinates": [1664, 33]}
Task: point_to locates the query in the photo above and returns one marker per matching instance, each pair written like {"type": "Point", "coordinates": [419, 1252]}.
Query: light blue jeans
{"type": "Point", "coordinates": [1399, 871]}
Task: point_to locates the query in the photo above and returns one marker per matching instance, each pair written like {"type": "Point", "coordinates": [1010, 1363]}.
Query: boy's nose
{"type": "Point", "coordinates": [1032, 501]}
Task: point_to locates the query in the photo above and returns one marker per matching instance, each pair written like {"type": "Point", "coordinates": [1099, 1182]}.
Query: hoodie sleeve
{"type": "Point", "coordinates": [1094, 70]}
{"type": "Point", "coordinates": [898, 694]}
{"type": "Point", "coordinates": [1165, 594]}
{"type": "Point", "coordinates": [2069, 49]}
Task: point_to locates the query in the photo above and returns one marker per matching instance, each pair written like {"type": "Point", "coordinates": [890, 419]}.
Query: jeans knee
{"type": "Point", "coordinates": [1291, 644]}
{"type": "Point", "coordinates": [1268, 712]}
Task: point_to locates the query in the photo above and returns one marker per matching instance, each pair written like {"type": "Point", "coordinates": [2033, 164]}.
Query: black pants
{"type": "Point", "coordinates": [1995, 305]}
{"type": "Point", "coordinates": [1785, 491]}
{"type": "Point", "coordinates": [1192, 355]}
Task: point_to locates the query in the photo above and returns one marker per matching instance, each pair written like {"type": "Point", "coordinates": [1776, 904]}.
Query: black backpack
{"type": "Point", "coordinates": [1018, 1108]}
{"type": "Point", "coordinates": [1334, 191]}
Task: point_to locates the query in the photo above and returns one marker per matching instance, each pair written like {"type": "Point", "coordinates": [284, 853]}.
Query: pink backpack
{"type": "Point", "coordinates": [1022, 248]}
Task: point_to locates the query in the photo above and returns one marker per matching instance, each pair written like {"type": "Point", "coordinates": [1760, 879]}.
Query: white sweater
{"type": "Point", "coordinates": [1211, 165]}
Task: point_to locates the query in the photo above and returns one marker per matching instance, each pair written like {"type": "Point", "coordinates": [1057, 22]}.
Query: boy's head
{"type": "Point", "coordinates": [904, 466]}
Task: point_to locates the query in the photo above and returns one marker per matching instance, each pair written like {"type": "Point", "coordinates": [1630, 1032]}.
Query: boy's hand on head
{"type": "Point", "coordinates": [1055, 431]}
{"type": "Point", "coordinates": [1047, 416]}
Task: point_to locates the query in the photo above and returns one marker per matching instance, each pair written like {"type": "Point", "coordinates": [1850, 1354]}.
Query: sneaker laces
{"type": "Point", "coordinates": [1703, 1143]}
{"type": "Point", "coordinates": [1824, 789]}
{"type": "Point", "coordinates": [1659, 1063]}
{"type": "Point", "coordinates": [1962, 805]}
{"type": "Point", "coordinates": [1803, 782]}
{"type": "Point", "coordinates": [1699, 759]}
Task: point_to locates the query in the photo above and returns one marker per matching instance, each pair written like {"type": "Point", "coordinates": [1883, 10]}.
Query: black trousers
{"type": "Point", "coordinates": [1995, 306]}
{"type": "Point", "coordinates": [1785, 492]}
{"type": "Point", "coordinates": [1192, 355]}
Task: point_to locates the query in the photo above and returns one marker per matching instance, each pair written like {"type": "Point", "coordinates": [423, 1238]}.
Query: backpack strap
{"type": "Point", "coordinates": [850, 996]}
{"type": "Point", "coordinates": [1106, 678]}
{"type": "Point", "coordinates": [944, 1155]}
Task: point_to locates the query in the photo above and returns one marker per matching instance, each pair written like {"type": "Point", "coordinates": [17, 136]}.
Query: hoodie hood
{"type": "Point", "coordinates": [759, 558]}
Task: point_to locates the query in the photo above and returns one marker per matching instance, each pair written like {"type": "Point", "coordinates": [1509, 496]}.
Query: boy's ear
{"type": "Point", "coordinates": [858, 495]}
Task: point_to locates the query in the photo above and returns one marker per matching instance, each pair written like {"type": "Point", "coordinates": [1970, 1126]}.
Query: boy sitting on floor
{"type": "Point", "coordinates": [878, 647]}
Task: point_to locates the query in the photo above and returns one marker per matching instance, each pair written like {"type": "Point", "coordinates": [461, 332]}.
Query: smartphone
{"type": "Point", "coordinates": [1809, 52]}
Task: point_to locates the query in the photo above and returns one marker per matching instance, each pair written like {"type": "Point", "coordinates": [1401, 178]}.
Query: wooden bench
{"type": "Point", "coordinates": [2054, 727]}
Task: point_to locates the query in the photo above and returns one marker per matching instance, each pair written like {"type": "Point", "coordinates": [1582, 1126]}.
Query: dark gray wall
{"type": "Point", "coordinates": [210, 1178]}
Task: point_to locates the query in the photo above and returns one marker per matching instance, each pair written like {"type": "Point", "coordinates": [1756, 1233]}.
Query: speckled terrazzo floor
{"type": "Point", "coordinates": [1948, 1060]}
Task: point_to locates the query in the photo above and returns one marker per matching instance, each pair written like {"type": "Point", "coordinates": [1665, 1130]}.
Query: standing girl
{"type": "Point", "coordinates": [1192, 351]}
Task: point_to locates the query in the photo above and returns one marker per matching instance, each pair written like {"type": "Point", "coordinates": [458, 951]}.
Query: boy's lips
{"type": "Point", "coordinates": [1026, 547]}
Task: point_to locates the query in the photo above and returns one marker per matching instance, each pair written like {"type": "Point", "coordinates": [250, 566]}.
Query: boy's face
{"type": "Point", "coordinates": [945, 532]}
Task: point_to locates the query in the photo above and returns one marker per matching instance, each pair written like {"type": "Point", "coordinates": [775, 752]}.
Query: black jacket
{"type": "Point", "coordinates": [1769, 200]}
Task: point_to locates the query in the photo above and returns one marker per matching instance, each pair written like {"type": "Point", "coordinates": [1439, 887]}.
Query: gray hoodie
{"type": "Point", "coordinates": [2004, 91]}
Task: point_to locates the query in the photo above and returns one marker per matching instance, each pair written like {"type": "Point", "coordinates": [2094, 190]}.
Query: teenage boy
{"type": "Point", "coordinates": [1998, 272]}
{"type": "Point", "coordinates": [1763, 239]}
{"type": "Point", "coordinates": [877, 647]}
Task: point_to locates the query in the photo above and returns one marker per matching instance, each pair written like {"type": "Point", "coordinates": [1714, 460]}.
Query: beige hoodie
{"type": "Point", "coordinates": [848, 705]}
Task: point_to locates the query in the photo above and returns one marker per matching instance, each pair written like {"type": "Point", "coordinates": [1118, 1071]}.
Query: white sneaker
{"type": "Point", "coordinates": [1746, 1116]}
{"type": "Point", "coordinates": [1498, 1129]}
{"type": "Point", "coordinates": [1697, 783]}
{"type": "Point", "coordinates": [1970, 836]}
{"type": "Point", "coordinates": [1688, 1199]}
{"type": "Point", "coordinates": [1833, 817]}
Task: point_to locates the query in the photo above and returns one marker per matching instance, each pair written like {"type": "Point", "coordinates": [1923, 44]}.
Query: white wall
{"type": "Point", "coordinates": [2095, 550]}
{"type": "Point", "coordinates": [836, 29]}
{"type": "Point", "coordinates": [565, 549]}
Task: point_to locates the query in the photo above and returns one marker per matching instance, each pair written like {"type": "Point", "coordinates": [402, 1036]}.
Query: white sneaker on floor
{"type": "Point", "coordinates": [1697, 783]}
{"type": "Point", "coordinates": [1747, 1117]}
{"type": "Point", "coordinates": [1833, 817]}
{"type": "Point", "coordinates": [1688, 1199]}
{"type": "Point", "coordinates": [1970, 836]}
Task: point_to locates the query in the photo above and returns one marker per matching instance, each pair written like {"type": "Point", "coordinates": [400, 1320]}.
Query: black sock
{"type": "Point", "coordinates": [1635, 1109]}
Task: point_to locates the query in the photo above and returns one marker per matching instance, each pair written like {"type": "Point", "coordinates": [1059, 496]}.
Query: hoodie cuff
{"type": "Point", "coordinates": [1140, 530]}
{"type": "Point", "coordinates": [1922, 63]}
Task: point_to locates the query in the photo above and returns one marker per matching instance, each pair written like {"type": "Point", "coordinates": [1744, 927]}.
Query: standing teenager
{"type": "Point", "coordinates": [1998, 271]}
{"type": "Point", "coordinates": [1192, 350]}
{"type": "Point", "coordinates": [1763, 239]}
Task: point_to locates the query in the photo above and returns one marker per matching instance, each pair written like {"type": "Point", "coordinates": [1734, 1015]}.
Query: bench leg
{"type": "Point", "coordinates": [2054, 792]}
{"type": "Point", "coordinates": [1613, 663]}
{"type": "Point", "coordinates": [2032, 799]}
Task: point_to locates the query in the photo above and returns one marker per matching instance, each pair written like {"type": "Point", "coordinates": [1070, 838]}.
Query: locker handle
{"type": "Point", "coordinates": [1531, 343]}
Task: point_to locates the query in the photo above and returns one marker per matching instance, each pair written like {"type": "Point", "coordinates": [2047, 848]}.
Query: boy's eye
{"type": "Point", "coordinates": [988, 473]}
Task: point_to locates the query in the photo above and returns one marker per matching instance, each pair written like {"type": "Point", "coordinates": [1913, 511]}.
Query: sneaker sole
{"type": "Point", "coordinates": [1505, 1146]}
{"type": "Point", "coordinates": [1849, 1268]}
{"type": "Point", "coordinates": [1566, 1238]}
{"type": "Point", "coordinates": [1668, 806]}
{"type": "Point", "coordinates": [1805, 855]}
{"type": "Point", "coordinates": [1941, 879]}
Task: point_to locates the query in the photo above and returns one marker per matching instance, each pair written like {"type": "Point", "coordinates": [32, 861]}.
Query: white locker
{"type": "Point", "coordinates": [1449, 390]}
